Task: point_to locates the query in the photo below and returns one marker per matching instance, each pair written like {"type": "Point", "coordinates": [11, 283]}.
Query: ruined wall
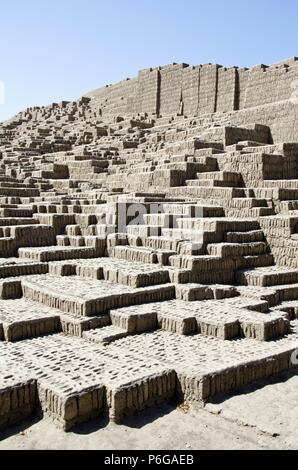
{"type": "Point", "coordinates": [269, 84]}
{"type": "Point", "coordinates": [190, 90]}
{"type": "Point", "coordinates": [278, 232]}
{"type": "Point", "coordinates": [282, 118]}
{"type": "Point", "coordinates": [242, 76]}
{"type": "Point", "coordinates": [119, 98]}
{"type": "Point", "coordinates": [147, 91]}
{"type": "Point", "coordinates": [226, 89]}
{"type": "Point", "coordinates": [210, 88]}
{"type": "Point", "coordinates": [171, 78]}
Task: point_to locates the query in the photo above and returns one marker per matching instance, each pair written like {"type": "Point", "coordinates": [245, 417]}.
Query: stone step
{"type": "Point", "coordinates": [219, 319]}
{"type": "Point", "coordinates": [11, 288]}
{"type": "Point", "coordinates": [290, 308]}
{"type": "Point", "coordinates": [217, 225]}
{"type": "Point", "coordinates": [57, 221]}
{"type": "Point", "coordinates": [141, 254]}
{"type": "Point", "coordinates": [244, 237]}
{"type": "Point", "coordinates": [235, 250]}
{"type": "Point", "coordinates": [87, 297]}
{"type": "Point", "coordinates": [133, 320]}
{"type": "Point", "coordinates": [274, 295]}
{"type": "Point", "coordinates": [16, 212]}
{"type": "Point", "coordinates": [121, 272]}
{"type": "Point", "coordinates": [193, 210]}
{"type": "Point", "coordinates": [224, 321]}
{"type": "Point", "coordinates": [57, 253]}
{"type": "Point", "coordinates": [159, 220]}
{"type": "Point", "coordinates": [247, 203]}
{"type": "Point", "coordinates": [287, 206]}
{"type": "Point", "coordinates": [265, 277]}
{"type": "Point", "coordinates": [72, 325]}
{"type": "Point", "coordinates": [255, 261]}
{"type": "Point", "coordinates": [73, 241]}
{"type": "Point", "coordinates": [19, 192]}
{"type": "Point", "coordinates": [210, 183]}
{"type": "Point", "coordinates": [105, 335]}
{"type": "Point", "coordinates": [287, 292]}
{"type": "Point", "coordinates": [286, 184]}
{"type": "Point", "coordinates": [202, 263]}
{"type": "Point", "coordinates": [206, 192]}
{"type": "Point", "coordinates": [9, 221]}
{"type": "Point", "coordinates": [23, 387]}
{"type": "Point", "coordinates": [259, 294]}
{"type": "Point", "coordinates": [205, 269]}
{"type": "Point", "coordinates": [163, 243]}
{"type": "Point", "coordinates": [197, 238]}
{"type": "Point", "coordinates": [261, 212]}
{"type": "Point", "coordinates": [196, 292]}
{"type": "Point", "coordinates": [277, 194]}
{"type": "Point", "coordinates": [18, 268]}
{"type": "Point", "coordinates": [249, 303]}
{"type": "Point", "coordinates": [8, 247]}
{"type": "Point", "coordinates": [220, 176]}
{"type": "Point", "coordinates": [32, 235]}
{"type": "Point", "coordinates": [222, 225]}
{"type": "Point", "coordinates": [21, 319]}
{"type": "Point", "coordinates": [144, 231]}
{"type": "Point", "coordinates": [249, 213]}
{"type": "Point", "coordinates": [73, 230]}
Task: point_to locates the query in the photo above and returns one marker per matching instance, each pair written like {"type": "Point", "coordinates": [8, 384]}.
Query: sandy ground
{"type": "Point", "coordinates": [263, 416]}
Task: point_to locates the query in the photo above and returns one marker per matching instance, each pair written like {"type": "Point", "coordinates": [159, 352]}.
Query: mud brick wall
{"type": "Point", "coordinates": [261, 94]}
{"type": "Point", "coordinates": [226, 89]}
{"type": "Point", "coordinates": [17, 402]}
{"type": "Point", "coordinates": [147, 95]}
{"type": "Point", "coordinates": [232, 135]}
{"type": "Point", "coordinates": [171, 89]}
{"type": "Point", "coordinates": [282, 118]}
{"type": "Point", "coordinates": [208, 89]}
{"type": "Point", "coordinates": [269, 84]}
{"type": "Point", "coordinates": [119, 98]}
{"type": "Point", "coordinates": [152, 180]}
{"type": "Point", "coordinates": [254, 168]}
{"type": "Point", "coordinates": [290, 158]}
{"type": "Point", "coordinates": [255, 132]}
{"type": "Point", "coordinates": [278, 231]}
{"type": "Point", "coordinates": [190, 90]}
{"type": "Point", "coordinates": [242, 76]}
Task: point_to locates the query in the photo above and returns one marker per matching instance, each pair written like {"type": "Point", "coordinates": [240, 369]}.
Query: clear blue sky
{"type": "Point", "coordinates": [58, 49]}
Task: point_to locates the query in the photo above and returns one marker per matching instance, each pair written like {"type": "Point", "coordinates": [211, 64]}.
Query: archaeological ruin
{"type": "Point", "coordinates": [149, 243]}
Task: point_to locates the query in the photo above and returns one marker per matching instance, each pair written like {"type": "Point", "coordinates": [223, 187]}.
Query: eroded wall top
{"type": "Point", "coordinates": [197, 90]}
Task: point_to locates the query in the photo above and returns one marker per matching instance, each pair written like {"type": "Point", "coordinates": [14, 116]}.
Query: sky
{"type": "Point", "coordinates": [60, 49]}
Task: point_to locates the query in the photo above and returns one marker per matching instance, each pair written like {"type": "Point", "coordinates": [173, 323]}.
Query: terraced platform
{"type": "Point", "coordinates": [147, 252]}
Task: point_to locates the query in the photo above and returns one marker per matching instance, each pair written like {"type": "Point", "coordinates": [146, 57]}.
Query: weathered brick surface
{"type": "Point", "coordinates": [148, 242]}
